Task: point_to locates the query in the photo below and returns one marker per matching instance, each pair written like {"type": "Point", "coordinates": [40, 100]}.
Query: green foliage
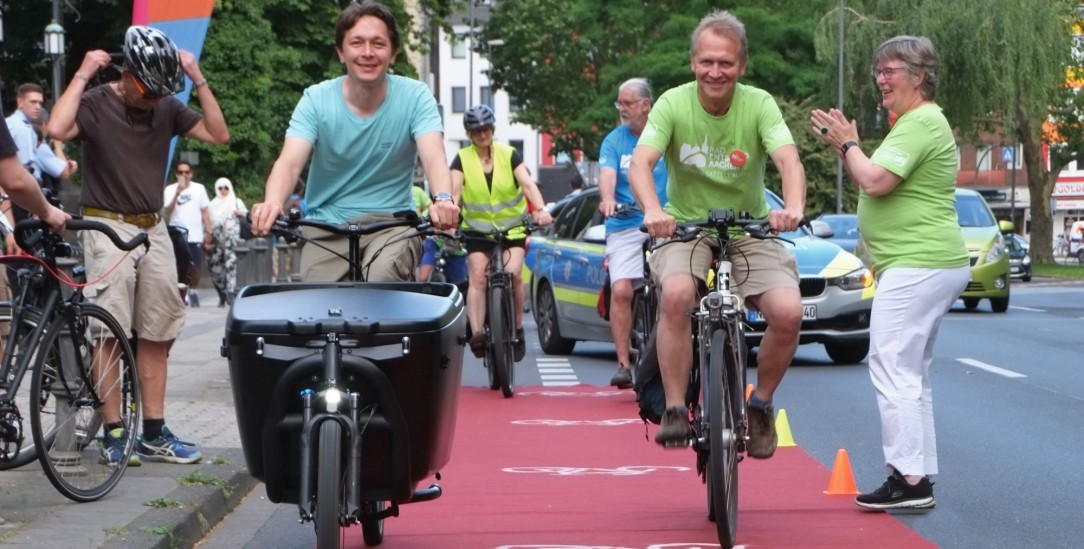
{"type": "Point", "coordinates": [564, 59]}
{"type": "Point", "coordinates": [259, 56]}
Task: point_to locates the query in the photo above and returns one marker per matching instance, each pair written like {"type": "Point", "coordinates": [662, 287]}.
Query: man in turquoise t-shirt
{"type": "Point", "coordinates": [716, 135]}
{"type": "Point", "coordinates": [364, 130]}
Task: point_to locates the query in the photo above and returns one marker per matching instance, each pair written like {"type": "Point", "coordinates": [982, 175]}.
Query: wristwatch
{"type": "Point", "coordinates": [442, 197]}
{"type": "Point", "coordinates": [846, 146]}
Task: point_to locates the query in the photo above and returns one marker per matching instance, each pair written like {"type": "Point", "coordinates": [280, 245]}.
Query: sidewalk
{"type": "Point", "coordinates": [158, 504]}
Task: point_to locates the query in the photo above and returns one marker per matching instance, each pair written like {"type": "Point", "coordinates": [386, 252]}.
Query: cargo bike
{"type": "Point", "coordinates": [346, 393]}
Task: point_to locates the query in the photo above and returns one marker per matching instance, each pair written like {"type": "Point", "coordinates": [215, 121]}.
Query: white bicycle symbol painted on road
{"type": "Point", "coordinates": [627, 470]}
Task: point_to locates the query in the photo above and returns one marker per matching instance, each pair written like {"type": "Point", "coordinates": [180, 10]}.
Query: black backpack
{"type": "Point", "coordinates": [648, 386]}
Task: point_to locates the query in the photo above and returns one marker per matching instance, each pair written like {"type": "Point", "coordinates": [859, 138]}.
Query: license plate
{"type": "Point", "coordinates": [809, 312]}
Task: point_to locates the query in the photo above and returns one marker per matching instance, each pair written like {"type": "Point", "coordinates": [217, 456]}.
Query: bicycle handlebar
{"type": "Point", "coordinates": [29, 232]}
{"type": "Point", "coordinates": [721, 220]}
{"type": "Point", "coordinates": [499, 234]}
{"type": "Point", "coordinates": [287, 224]}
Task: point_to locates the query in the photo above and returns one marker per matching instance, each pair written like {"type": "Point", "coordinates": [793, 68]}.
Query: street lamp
{"type": "Point", "coordinates": [54, 47]}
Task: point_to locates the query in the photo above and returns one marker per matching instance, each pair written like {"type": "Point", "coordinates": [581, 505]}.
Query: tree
{"type": "Point", "coordinates": [1004, 66]}
{"type": "Point", "coordinates": [562, 60]}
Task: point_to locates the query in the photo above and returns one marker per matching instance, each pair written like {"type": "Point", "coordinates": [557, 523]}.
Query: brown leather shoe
{"type": "Point", "coordinates": [622, 379]}
{"type": "Point", "coordinates": [478, 344]}
{"type": "Point", "coordinates": [762, 437]}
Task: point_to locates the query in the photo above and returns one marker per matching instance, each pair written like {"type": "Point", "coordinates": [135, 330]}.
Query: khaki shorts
{"type": "Point", "coordinates": [395, 257]}
{"type": "Point", "coordinates": [757, 265]}
{"type": "Point", "coordinates": [139, 288]}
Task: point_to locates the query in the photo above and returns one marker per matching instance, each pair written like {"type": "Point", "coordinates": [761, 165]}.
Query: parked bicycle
{"type": "Point", "coordinates": [81, 366]}
{"type": "Point", "coordinates": [500, 321]}
{"type": "Point", "coordinates": [717, 383]}
{"type": "Point", "coordinates": [346, 392]}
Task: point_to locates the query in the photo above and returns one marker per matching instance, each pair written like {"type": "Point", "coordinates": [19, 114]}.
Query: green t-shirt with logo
{"type": "Point", "coordinates": [715, 161]}
{"type": "Point", "coordinates": [915, 225]}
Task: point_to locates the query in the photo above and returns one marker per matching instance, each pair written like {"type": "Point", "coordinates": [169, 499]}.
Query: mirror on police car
{"type": "Point", "coordinates": [596, 234]}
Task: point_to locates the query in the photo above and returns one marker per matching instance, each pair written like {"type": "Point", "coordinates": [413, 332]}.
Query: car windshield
{"type": "Point", "coordinates": [972, 211]}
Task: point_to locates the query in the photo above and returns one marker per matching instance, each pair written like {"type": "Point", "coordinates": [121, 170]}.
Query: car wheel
{"type": "Point", "coordinates": [549, 333]}
{"type": "Point", "coordinates": [999, 304]}
{"type": "Point", "coordinates": [1027, 276]}
{"type": "Point", "coordinates": [971, 303]}
{"type": "Point", "coordinates": [850, 352]}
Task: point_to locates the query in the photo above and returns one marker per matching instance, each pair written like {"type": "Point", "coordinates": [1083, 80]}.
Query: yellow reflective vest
{"type": "Point", "coordinates": [500, 206]}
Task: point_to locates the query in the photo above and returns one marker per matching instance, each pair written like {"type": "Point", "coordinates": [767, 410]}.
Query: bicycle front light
{"type": "Point", "coordinates": [332, 397]}
{"type": "Point", "coordinates": [857, 279]}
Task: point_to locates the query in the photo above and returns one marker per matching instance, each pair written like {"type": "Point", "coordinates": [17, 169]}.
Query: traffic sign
{"type": "Point", "coordinates": [1007, 154]}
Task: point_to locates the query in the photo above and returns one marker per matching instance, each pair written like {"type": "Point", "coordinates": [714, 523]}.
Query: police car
{"type": "Point", "coordinates": [564, 271]}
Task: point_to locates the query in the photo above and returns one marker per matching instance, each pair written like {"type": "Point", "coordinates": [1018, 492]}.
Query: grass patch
{"type": "Point", "coordinates": [198, 477]}
{"type": "Point", "coordinates": [217, 460]}
{"type": "Point", "coordinates": [165, 531]}
{"type": "Point", "coordinates": [1072, 272]}
{"type": "Point", "coordinates": [117, 531]}
{"type": "Point", "coordinates": [163, 503]}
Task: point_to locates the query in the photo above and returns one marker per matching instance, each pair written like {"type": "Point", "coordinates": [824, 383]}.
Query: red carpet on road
{"type": "Point", "coordinates": [571, 468]}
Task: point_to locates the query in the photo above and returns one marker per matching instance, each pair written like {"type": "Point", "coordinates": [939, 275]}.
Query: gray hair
{"type": "Point", "coordinates": [917, 54]}
{"type": "Point", "coordinates": [640, 86]}
{"type": "Point", "coordinates": [722, 23]}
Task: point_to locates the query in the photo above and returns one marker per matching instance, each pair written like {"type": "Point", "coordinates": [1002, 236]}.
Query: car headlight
{"type": "Point", "coordinates": [1027, 260]}
{"type": "Point", "coordinates": [997, 251]}
{"type": "Point", "coordinates": [855, 280]}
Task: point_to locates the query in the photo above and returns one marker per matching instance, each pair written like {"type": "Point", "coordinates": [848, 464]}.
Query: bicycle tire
{"type": "Point", "coordinates": [329, 486]}
{"type": "Point", "coordinates": [645, 311]}
{"type": "Point", "coordinates": [73, 459]}
{"type": "Point", "coordinates": [502, 331]}
{"type": "Point", "coordinates": [372, 530]}
{"type": "Point", "coordinates": [27, 450]}
{"type": "Point", "coordinates": [722, 442]}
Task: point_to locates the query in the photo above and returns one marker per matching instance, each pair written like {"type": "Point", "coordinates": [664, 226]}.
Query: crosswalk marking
{"type": "Point", "coordinates": [556, 372]}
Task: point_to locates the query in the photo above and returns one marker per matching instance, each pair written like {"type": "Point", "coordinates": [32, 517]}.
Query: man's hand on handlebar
{"type": "Point", "coordinates": [785, 220]}
{"type": "Point", "coordinates": [444, 215]}
{"type": "Point", "coordinates": [263, 216]}
{"type": "Point", "coordinates": [56, 218]}
{"type": "Point", "coordinates": [659, 223]}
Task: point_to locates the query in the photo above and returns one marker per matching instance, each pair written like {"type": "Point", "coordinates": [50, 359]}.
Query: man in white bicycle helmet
{"type": "Point", "coordinates": [126, 128]}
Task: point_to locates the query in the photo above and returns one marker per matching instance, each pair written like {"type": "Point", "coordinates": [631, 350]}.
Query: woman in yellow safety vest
{"type": "Point", "coordinates": [493, 185]}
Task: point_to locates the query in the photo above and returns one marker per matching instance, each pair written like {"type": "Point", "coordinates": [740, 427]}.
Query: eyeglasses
{"type": "Point", "coordinates": [143, 89]}
{"type": "Point", "coordinates": [223, 188]}
{"type": "Point", "coordinates": [626, 104]}
{"type": "Point", "coordinates": [482, 130]}
{"type": "Point", "coordinates": [886, 72]}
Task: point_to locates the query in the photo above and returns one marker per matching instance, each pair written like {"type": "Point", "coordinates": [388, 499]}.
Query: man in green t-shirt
{"type": "Point", "coordinates": [716, 135]}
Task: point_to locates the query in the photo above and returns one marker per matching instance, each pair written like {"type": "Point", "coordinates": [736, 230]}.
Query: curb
{"type": "Point", "coordinates": [205, 495]}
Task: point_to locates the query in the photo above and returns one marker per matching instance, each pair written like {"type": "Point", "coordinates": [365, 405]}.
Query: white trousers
{"type": "Point", "coordinates": [907, 312]}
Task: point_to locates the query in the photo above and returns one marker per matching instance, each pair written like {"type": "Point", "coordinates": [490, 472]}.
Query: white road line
{"type": "Point", "coordinates": [990, 368]}
{"type": "Point", "coordinates": [1027, 309]}
{"type": "Point", "coordinates": [556, 372]}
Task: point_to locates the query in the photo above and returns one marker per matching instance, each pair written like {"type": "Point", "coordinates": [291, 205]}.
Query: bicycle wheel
{"type": "Point", "coordinates": [329, 485]}
{"type": "Point", "coordinates": [22, 452]}
{"type": "Point", "coordinates": [722, 440]}
{"type": "Point", "coordinates": [372, 530]}
{"type": "Point", "coordinates": [501, 325]}
{"type": "Point", "coordinates": [87, 357]}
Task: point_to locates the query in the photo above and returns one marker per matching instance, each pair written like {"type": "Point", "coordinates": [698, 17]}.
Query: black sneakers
{"type": "Point", "coordinates": [896, 493]}
{"type": "Point", "coordinates": [674, 429]}
{"type": "Point", "coordinates": [622, 379]}
{"type": "Point", "coordinates": [762, 437]}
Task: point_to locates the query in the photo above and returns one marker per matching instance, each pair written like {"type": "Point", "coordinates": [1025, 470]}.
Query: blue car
{"type": "Point", "coordinates": [564, 272]}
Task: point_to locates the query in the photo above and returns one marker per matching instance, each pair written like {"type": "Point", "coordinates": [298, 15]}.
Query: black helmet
{"type": "Point", "coordinates": [152, 57]}
{"type": "Point", "coordinates": [478, 116]}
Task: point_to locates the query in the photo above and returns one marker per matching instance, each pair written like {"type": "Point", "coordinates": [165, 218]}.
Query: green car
{"type": "Point", "coordinates": [989, 255]}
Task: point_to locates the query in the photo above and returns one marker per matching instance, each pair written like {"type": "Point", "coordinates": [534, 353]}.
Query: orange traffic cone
{"type": "Point", "coordinates": [842, 481]}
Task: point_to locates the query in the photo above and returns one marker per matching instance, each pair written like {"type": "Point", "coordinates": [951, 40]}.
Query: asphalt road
{"type": "Point", "coordinates": [1008, 397]}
